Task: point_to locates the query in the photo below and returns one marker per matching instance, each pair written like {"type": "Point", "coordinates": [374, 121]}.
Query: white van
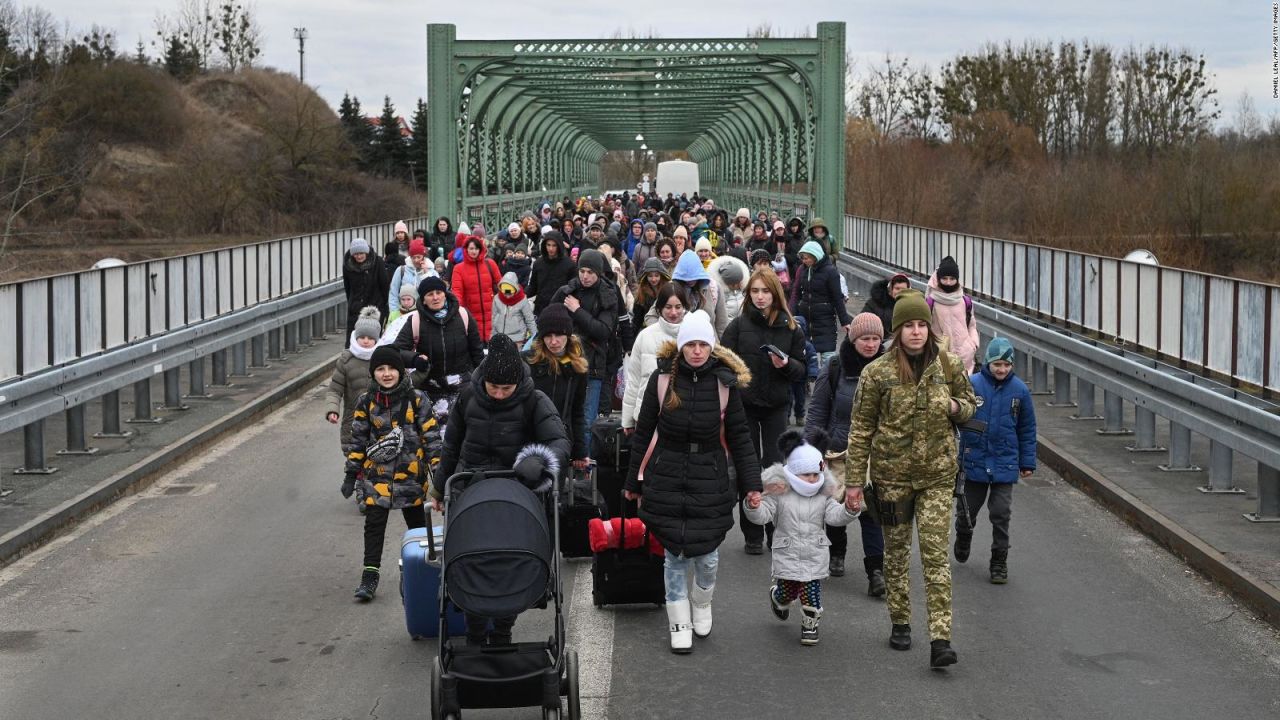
{"type": "Point", "coordinates": [677, 177]}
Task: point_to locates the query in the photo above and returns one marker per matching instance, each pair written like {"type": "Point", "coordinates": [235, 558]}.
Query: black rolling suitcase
{"type": "Point", "coordinates": [579, 503]}
{"type": "Point", "coordinates": [624, 576]}
{"type": "Point", "coordinates": [611, 451]}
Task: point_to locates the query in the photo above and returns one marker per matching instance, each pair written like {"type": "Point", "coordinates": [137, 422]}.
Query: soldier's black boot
{"type": "Point", "coordinates": [875, 575]}
{"type": "Point", "coordinates": [963, 540]}
{"type": "Point", "coordinates": [999, 567]}
{"type": "Point", "coordinates": [941, 654]}
{"type": "Point", "coordinates": [900, 637]}
{"type": "Point", "coordinates": [368, 584]}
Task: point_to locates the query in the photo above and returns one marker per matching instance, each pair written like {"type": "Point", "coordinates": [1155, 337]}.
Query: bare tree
{"type": "Point", "coordinates": [239, 39]}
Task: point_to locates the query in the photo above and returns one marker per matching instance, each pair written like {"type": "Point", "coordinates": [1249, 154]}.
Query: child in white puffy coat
{"type": "Point", "coordinates": [801, 498]}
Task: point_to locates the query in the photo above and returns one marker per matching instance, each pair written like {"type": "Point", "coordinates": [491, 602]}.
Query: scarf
{"type": "Point", "coordinates": [806, 489]}
{"type": "Point", "coordinates": [514, 300]}
{"type": "Point", "coordinates": [947, 298]}
{"type": "Point", "coordinates": [358, 352]}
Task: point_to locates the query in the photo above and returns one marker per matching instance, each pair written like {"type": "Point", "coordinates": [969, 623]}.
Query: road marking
{"type": "Point", "coordinates": [591, 634]}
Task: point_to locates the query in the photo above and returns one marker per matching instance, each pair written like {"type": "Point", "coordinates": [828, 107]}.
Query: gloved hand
{"type": "Point", "coordinates": [348, 486]}
{"type": "Point", "coordinates": [421, 363]}
{"type": "Point", "coordinates": [529, 470]}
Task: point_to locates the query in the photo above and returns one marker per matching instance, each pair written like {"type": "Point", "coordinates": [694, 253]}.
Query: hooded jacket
{"type": "Point", "coordinates": [365, 284]}
{"type": "Point", "coordinates": [550, 274]}
{"type": "Point", "coordinates": [513, 316]}
{"type": "Point", "coordinates": [881, 304]}
{"type": "Point", "coordinates": [595, 322]}
{"type": "Point", "coordinates": [474, 283]}
{"type": "Point", "coordinates": [409, 275]}
{"type": "Point", "coordinates": [733, 299]}
{"type": "Point", "coordinates": [350, 378]}
{"type": "Point", "coordinates": [704, 293]}
{"type": "Point", "coordinates": [801, 549]}
{"type": "Point", "coordinates": [1009, 444]}
{"type": "Point", "coordinates": [645, 250]}
{"type": "Point", "coordinates": [568, 392]}
{"type": "Point", "coordinates": [641, 363]}
{"type": "Point", "coordinates": [688, 498]}
{"type": "Point", "coordinates": [452, 347]}
{"type": "Point", "coordinates": [770, 387]}
{"type": "Point", "coordinates": [397, 484]}
{"type": "Point", "coordinates": [831, 404]}
{"type": "Point", "coordinates": [815, 294]}
{"type": "Point", "coordinates": [487, 434]}
{"type": "Point", "coordinates": [954, 321]}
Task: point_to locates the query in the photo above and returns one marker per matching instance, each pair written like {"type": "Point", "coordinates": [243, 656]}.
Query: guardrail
{"type": "Point", "coordinates": [1232, 421]}
{"type": "Point", "coordinates": [52, 321]}
{"type": "Point", "coordinates": [1194, 319]}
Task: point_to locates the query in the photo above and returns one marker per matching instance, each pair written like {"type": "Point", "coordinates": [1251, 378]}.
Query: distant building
{"type": "Point", "coordinates": [405, 132]}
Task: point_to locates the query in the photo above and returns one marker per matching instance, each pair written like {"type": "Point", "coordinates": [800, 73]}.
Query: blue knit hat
{"type": "Point", "coordinates": [998, 349]}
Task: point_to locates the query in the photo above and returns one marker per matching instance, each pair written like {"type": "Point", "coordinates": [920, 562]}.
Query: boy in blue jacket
{"type": "Point", "coordinates": [995, 460]}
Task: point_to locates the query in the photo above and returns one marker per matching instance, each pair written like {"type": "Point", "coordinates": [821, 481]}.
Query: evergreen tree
{"type": "Point", "coordinates": [357, 128]}
{"type": "Point", "coordinates": [391, 153]}
{"type": "Point", "coordinates": [140, 54]}
{"type": "Point", "coordinates": [418, 145]}
{"type": "Point", "coordinates": [180, 59]}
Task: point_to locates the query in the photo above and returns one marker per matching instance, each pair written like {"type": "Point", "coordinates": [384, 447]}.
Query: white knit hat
{"type": "Point", "coordinates": [805, 459]}
{"type": "Point", "coordinates": [696, 326]}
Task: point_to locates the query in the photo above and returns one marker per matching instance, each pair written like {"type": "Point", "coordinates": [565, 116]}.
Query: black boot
{"type": "Point", "coordinates": [900, 637]}
{"type": "Point", "coordinates": [941, 654]}
{"type": "Point", "coordinates": [963, 539]}
{"type": "Point", "coordinates": [999, 567]}
{"type": "Point", "coordinates": [368, 584]}
{"type": "Point", "coordinates": [837, 565]}
{"type": "Point", "coordinates": [875, 575]}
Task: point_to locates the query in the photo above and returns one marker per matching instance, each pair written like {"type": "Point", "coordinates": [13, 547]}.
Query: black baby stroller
{"type": "Point", "coordinates": [502, 559]}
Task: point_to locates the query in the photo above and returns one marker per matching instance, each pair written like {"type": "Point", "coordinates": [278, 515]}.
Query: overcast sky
{"type": "Point", "coordinates": [373, 48]}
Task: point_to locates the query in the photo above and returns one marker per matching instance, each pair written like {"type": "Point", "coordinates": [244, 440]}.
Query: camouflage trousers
{"type": "Point", "coordinates": [933, 518]}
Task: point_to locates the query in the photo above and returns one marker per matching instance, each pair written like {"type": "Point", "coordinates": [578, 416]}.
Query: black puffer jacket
{"type": "Point", "coordinates": [881, 304]}
{"type": "Point", "coordinates": [451, 348]}
{"type": "Point", "coordinates": [568, 391]}
{"type": "Point", "coordinates": [596, 321]}
{"type": "Point", "coordinates": [831, 405]}
{"type": "Point", "coordinates": [487, 434]}
{"type": "Point", "coordinates": [688, 497]}
{"type": "Point", "coordinates": [746, 334]}
{"type": "Point", "coordinates": [550, 274]}
{"type": "Point", "coordinates": [365, 284]}
{"type": "Point", "coordinates": [816, 295]}
{"type": "Point", "coordinates": [439, 244]}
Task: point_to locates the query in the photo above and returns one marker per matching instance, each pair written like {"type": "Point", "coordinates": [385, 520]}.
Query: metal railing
{"type": "Point", "coordinates": [1194, 319]}
{"type": "Point", "coordinates": [70, 339]}
{"type": "Point", "coordinates": [1232, 420]}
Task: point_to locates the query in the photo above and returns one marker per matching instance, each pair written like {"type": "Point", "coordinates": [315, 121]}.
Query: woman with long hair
{"type": "Point", "coordinates": [767, 338]}
{"type": "Point", "coordinates": [669, 308]}
{"type": "Point", "coordinates": [906, 405]}
{"type": "Point", "coordinates": [653, 276]}
{"type": "Point", "coordinates": [559, 370]}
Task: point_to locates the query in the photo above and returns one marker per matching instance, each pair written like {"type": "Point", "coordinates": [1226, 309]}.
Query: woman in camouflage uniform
{"type": "Point", "coordinates": [906, 404]}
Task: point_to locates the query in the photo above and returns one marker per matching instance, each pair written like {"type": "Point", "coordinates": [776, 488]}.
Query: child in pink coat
{"type": "Point", "coordinates": [952, 312]}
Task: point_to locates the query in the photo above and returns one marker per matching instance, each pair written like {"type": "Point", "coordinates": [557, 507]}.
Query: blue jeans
{"type": "Point", "coordinates": [676, 573]}
{"type": "Point", "coordinates": [591, 409]}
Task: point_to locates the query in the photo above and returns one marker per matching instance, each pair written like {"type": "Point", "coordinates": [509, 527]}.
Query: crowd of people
{"type": "Point", "coordinates": [711, 335]}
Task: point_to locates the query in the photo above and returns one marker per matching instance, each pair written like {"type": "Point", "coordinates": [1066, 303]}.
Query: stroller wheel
{"type": "Point", "coordinates": [435, 689]}
{"type": "Point", "coordinates": [574, 700]}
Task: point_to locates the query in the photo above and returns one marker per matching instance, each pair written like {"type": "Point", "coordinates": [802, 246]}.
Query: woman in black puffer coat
{"type": "Point", "coordinates": [551, 271]}
{"type": "Point", "coordinates": [815, 295]}
{"type": "Point", "coordinates": [679, 466]}
{"type": "Point", "coordinates": [364, 280]}
{"type": "Point", "coordinates": [765, 320]}
{"type": "Point", "coordinates": [447, 346]}
{"type": "Point", "coordinates": [559, 370]}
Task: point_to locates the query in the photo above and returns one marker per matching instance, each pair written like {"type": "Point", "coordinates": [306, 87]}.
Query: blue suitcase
{"type": "Point", "coordinates": [420, 586]}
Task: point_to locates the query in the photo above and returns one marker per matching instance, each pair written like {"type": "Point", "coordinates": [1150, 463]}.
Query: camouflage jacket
{"type": "Point", "coordinates": [905, 430]}
{"type": "Point", "coordinates": [398, 484]}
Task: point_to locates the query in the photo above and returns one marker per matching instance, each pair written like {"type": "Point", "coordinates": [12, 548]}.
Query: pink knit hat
{"type": "Point", "coordinates": [866, 324]}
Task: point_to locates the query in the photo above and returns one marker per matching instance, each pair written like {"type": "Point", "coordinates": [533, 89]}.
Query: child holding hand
{"type": "Point", "coordinates": [801, 498]}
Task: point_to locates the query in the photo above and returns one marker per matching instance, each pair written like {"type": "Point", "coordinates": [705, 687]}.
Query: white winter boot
{"type": "Point", "coordinates": [701, 601]}
{"type": "Point", "coordinates": [681, 628]}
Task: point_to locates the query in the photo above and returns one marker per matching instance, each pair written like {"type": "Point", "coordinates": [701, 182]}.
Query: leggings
{"type": "Point", "coordinates": [810, 592]}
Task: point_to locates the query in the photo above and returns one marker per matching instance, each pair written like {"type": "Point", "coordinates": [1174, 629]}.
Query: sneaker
{"type": "Point", "coordinates": [754, 547]}
{"type": "Point", "coordinates": [837, 566]}
{"type": "Point", "coordinates": [780, 611]}
{"type": "Point", "coordinates": [809, 628]}
{"type": "Point", "coordinates": [900, 637]}
{"type": "Point", "coordinates": [941, 654]}
{"type": "Point", "coordinates": [368, 584]}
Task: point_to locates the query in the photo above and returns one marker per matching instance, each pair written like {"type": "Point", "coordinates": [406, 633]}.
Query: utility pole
{"type": "Point", "coordinates": [301, 34]}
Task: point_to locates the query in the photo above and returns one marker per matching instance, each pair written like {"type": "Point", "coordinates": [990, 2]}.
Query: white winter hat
{"type": "Point", "coordinates": [696, 326]}
{"type": "Point", "coordinates": [743, 213]}
{"type": "Point", "coordinates": [805, 459]}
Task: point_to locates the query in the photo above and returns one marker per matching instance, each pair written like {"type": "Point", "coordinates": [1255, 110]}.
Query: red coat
{"type": "Point", "coordinates": [475, 282]}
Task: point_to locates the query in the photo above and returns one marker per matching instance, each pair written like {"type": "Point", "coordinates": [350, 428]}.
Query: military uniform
{"type": "Point", "coordinates": [908, 436]}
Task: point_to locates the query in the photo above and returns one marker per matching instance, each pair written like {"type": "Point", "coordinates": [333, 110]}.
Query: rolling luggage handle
{"type": "Point", "coordinates": [431, 538]}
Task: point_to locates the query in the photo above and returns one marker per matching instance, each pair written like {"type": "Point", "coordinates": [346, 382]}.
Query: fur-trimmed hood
{"type": "Point", "coordinates": [727, 366]}
{"type": "Point", "coordinates": [774, 479]}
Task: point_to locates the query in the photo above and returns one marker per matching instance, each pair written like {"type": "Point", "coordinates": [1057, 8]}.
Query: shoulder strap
{"type": "Point", "coordinates": [416, 321]}
{"type": "Point", "coordinates": [968, 310]}
{"type": "Point", "coordinates": [929, 301]}
{"type": "Point", "coordinates": [466, 318]}
{"type": "Point", "coordinates": [664, 382]}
